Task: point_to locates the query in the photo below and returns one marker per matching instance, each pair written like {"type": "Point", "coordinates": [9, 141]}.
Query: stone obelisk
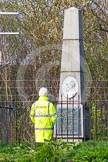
{"type": "Point", "coordinates": [72, 82]}
{"type": "Point", "coordinates": [72, 63]}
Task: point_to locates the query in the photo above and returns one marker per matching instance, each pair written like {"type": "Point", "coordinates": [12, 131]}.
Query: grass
{"type": "Point", "coordinates": [59, 151]}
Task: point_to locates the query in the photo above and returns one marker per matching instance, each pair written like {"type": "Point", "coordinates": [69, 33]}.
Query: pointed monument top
{"type": "Point", "coordinates": [72, 24]}
{"type": "Point", "coordinates": [72, 8]}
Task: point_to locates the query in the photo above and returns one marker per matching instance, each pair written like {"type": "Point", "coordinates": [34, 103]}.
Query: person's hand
{"type": "Point", "coordinates": [8, 62]}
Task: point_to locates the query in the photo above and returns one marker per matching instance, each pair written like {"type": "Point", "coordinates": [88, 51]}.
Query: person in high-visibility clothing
{"type": "Point", "coordinates": [43, 115]}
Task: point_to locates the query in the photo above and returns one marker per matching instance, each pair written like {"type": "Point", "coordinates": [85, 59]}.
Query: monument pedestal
{"type": "Point", "coordinates": [69, 122]}
{"type": "Point", "coordinates": [72, 122]}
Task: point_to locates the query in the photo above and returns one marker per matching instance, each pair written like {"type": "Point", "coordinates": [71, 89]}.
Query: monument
{"type": "Point", "coordinates": [70, 108]}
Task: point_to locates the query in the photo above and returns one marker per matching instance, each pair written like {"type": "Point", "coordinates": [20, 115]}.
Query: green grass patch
{"type": "Point", "coordinates": [58, 151]}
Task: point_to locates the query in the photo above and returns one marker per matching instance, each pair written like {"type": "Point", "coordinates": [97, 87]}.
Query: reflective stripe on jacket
{"type": "Point", "coordinates": [43, 115]}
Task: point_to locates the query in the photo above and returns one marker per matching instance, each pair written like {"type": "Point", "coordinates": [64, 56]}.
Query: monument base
{"type": "Point", "coordinates": [71, 124]}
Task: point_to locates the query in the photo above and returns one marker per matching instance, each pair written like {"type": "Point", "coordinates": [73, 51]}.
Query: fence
{"type": "Point", "coordinates": [16, 127]}
{"type": "Point", "coordinates": [13, 125]}
{"type": "Point", "coordinates": [89, 121]}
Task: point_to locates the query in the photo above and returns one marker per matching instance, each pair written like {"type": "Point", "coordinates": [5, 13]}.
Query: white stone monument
{"type": "Point", "coordinates": [72, 82]}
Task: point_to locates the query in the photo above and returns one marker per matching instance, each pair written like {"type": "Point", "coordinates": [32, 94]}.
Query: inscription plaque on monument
{"type": "Point", "coordinates": [70, 121]}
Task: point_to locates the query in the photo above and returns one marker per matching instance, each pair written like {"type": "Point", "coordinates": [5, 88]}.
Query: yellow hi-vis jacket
{"type": "Point", "coordinates": [43, 115]}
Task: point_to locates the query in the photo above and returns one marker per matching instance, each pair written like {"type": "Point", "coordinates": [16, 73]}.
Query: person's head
{"type": "Point", "coordinates": [43, 91]}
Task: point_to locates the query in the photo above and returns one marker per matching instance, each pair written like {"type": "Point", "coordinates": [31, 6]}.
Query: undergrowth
{"type": "Point", "coordinates": [58, 151]}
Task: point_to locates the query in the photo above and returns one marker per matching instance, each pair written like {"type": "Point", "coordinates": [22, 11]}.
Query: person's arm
{"type": "Point", "coordinates": [53, 113]}
{"type": "Point", "coordinates": [32, 113]}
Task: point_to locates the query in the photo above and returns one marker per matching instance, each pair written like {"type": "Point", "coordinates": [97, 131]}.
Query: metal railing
{"type": "Point", "coordinates": [74, 123]}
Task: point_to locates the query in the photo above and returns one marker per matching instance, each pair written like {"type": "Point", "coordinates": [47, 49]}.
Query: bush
{"type": "Point", "coordinates": [90, 151]}
{"type": "Point", "coordinates": [58, 151]}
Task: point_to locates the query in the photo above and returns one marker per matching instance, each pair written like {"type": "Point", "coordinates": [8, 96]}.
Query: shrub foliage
{"type": "Point", "coordinates": [57, 151]}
